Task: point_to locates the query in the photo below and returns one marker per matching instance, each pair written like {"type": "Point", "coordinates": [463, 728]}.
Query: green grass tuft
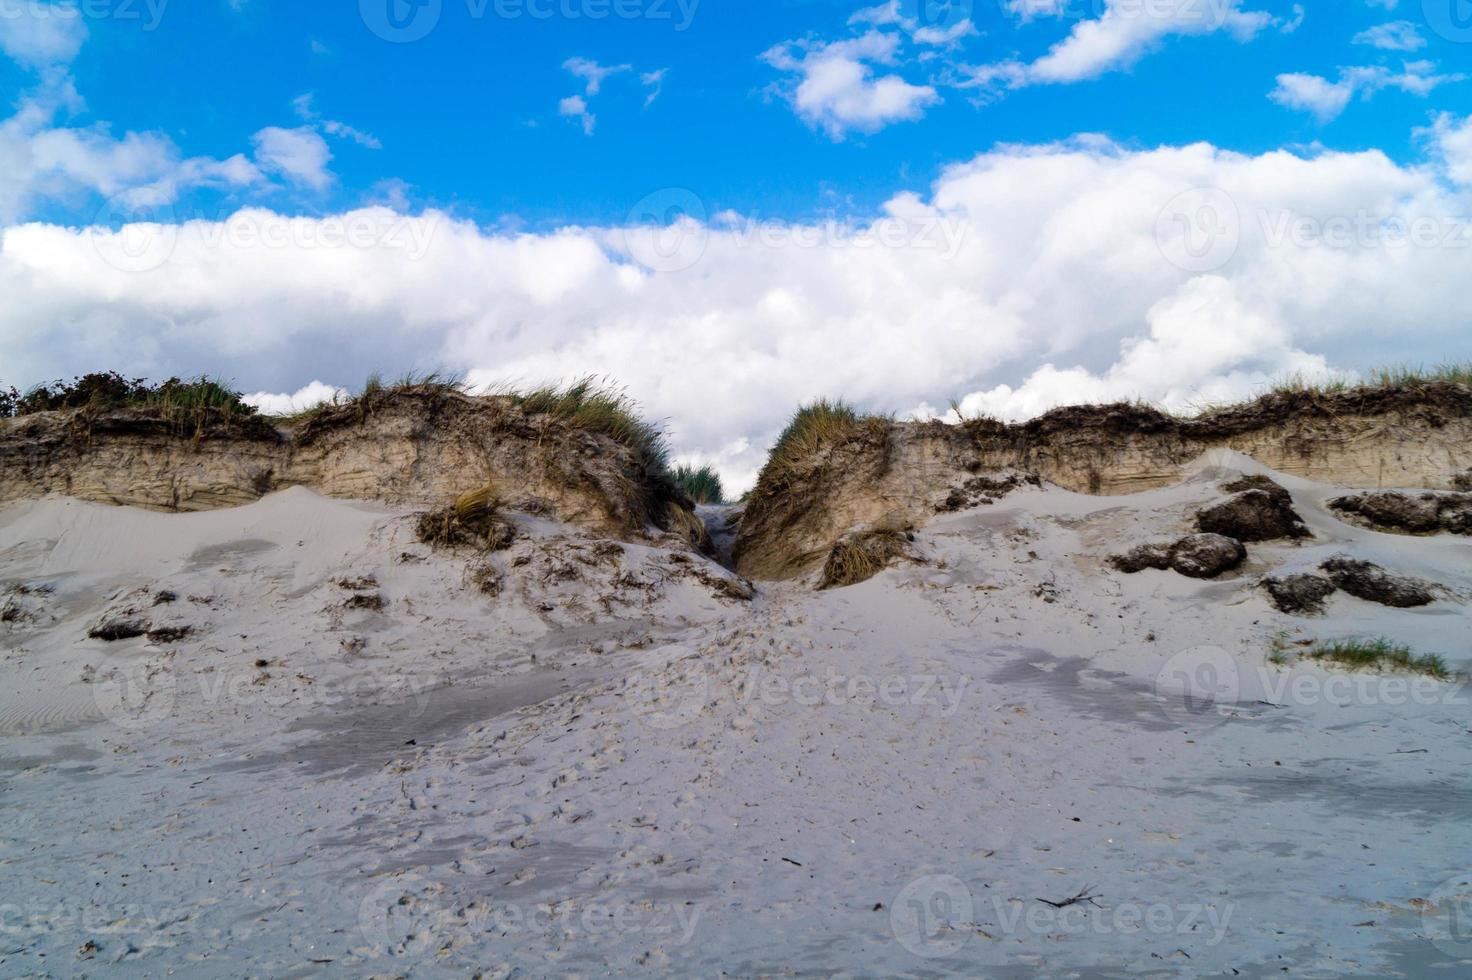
{"type": "Point", "coordinates": [1379, 654]}
{"type": "Point", "coordinates": [814, 427]}
{"type": "Point", "coordinates": [701, 485]}
{"type": "Point", "coordinates": [596, 406]}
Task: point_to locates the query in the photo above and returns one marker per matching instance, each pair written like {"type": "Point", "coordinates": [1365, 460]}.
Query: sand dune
{"type": "Point", "coordinates": [356, 761]}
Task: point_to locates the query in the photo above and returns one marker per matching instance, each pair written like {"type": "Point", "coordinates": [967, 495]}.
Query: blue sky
{"type": "Point", "coordinates": [733, 208]}
{"type": "Point", "coordinates": [468, 118]}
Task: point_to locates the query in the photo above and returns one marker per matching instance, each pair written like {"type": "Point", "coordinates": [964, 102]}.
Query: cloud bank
{"type": "Point", "coordinates": [1027, 277]}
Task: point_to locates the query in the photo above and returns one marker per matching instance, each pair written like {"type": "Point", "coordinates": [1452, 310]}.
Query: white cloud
{"type": "Point", "coordinates": [300, 155]}
{"type": "Point", "coordinates": [1125, 32]}
{"type": "Point", "coordinates": [41, 35]}
{"type": "Point", "coordinates": [837, 90]}
{"type": "Point", "coordinates": [1452, 140]}
{"type": "Point", "coordinates": [576, 107]}
{"type": "Point", "coordinates": [654, 81]}
{"type": "Point", "coordinates": [304, 398]}
{"type": "Point", "coordinates": [1400, 35]}
{"type": "Point", "coordinates": [1327, 100]}
{"type": "Point", "coordinates": [1030, 10]}
{"type": "Point", "coordinates": [592, 73]}
{"type": "Point", "coordinates": [1029, 276]}
{"type": "Point", "coordinates": [305, 107]}
{"type": "Point", "coordinates": [42, 160]}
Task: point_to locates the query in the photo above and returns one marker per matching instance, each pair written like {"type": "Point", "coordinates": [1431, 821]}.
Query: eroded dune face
{"type": "Point", "coordinates": [397, 448]}
{"type": "Point", "coordinates": [902, 474]}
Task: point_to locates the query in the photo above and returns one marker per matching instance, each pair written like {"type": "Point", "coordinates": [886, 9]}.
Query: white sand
{"type": "Point", "coordinates": [608, 769]}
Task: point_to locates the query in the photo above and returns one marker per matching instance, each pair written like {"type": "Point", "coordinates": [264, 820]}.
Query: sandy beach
{"type": "Point", "coordinates": [982, 761]}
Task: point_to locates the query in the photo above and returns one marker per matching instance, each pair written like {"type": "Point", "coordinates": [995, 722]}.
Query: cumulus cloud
{"type": "Point", "coordinates": [1327, 100]}
{"type": "Point", "coordinates": [1027, 277]}
{"type": "Point", "coordinates": [835, 86]}
{"type": "Point", "coordinates": [1452, 141]}
{"type": "Point", "coordinates": [309, 396]}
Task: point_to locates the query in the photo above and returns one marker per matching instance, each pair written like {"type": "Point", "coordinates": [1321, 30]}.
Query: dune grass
{"type": "Point", "coordinates": [1398, 376]}
{"type": "Point", "coordinates": [701, 485]}
{"type": "Point", "coordinates": [192, 404]}
{"type": "Point", "coordinates": [598, 406]}
{"type": "Point", "coordinates": [1378, 654]}
{"type": "Point", "coordinates": [814, 427]}
{"type": "Point", "coordinates": [104, 390]}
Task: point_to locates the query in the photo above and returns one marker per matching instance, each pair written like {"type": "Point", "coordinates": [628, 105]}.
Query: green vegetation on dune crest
{"type": "Point", "coordinates": [187, 406]}
{"type": "Point", "coordinates": [108, 390]}
{"type": "Point", "coordinates": [1402, 376]}
{"type": "Point", "coordinates": [823, 423]}
{"type": "Point", "coordinates": [701, 485]}
{"type": "Point", "coordinates": [598, 407]}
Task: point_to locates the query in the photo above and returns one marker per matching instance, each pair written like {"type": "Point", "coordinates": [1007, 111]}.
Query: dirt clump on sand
{"type": "Point", "coordinates": [982, 491]}
{"type": "Point", "coordinates": [1368, 581]}
{"type": "Point", "coordinates": [860, 555]}
{"type": "Point", "coordinates": [1195, 556]}
{"type": "Point", "coordinates": [1255, 514]}
{"type": "Point", "coordinates": [1299, 595]}
{"type": "Point", "coordinates": [1406, 513]}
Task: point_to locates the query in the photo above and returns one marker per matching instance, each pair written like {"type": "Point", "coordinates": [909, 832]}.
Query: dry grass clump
{"type": "Point", "coordinates": [1379, 654]}
{"type": "Point", "coordinates": [472, 521]}
{"type": "Point", "coordinates": [701, 485]}
{"type": "Point", "coordinates": [683, 522]}
{"type": "Point", "coordinates": [861, 556]}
